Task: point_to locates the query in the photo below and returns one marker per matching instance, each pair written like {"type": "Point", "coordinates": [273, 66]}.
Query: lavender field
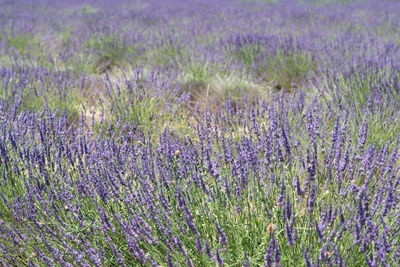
{"type": "Point", "coordinates": [199, 133]}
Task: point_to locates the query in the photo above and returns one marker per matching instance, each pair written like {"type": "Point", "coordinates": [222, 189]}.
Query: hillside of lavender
{"type": "Point", "coordinates": [199, 133]}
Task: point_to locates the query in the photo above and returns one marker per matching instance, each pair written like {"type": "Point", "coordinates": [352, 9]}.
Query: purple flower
{"type": "Point", "coordinates": [199, 246]}
{"type": "Point", "coordinates": [169, 260]}
{"type": "Point", "coordinates": [189, 262]}
{"type": "Point", "coordinates": [208, 250]}
{"type": "Point", "coordinates": [307, 258]}
{"type": "Point", "coordinates": [319, 231]}
{"type": "Point", "coordinates": [362, 135]}
{"type": "Point", "coordinates": [281, 195]}
{"type": "Point", "coordinates": [311, 198]}
{"type": "Point", "coordinates": [246, 262]}
{"type": "Point", "coordinates": [272, 256]}
{"type": "Point", "coordinates": [218, 258]}
{"type": "Point", "coordinates": [222, 237]}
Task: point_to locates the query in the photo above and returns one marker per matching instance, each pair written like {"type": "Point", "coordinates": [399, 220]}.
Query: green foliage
{"type": "Point", "coordinates": [262, 1]}
{"type": "Point", "coordinates": [24, 43]}
{"type": "Point", "coordinates": [169, 55]}
{"type": "Point", "coordinates": [198, 73]}
{"type": "Point", "coordinates": [281, 70]}
{"type": "Point", "coordinates": [288, 71]}
{"type": "Point", "coordinates": [30, 51]}
{"type": "Point", "coordinates": [66, 37]}
{"type": "Point", "coordinates": [331, 2]}
{"type": "Point", "coordinates": [87, 10]}
{"type": "Point", "coordinates": [105, 53]}
{"type": "Point", "coordinates": [69, 103]}
{"type": "Point", "coordinates": [146, 112]}
{"type": "Point", "coordinates": [19, 42]}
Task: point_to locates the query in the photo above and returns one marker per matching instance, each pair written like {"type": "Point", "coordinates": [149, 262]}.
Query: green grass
{"type": "Point", "coordinates": [27, 50]}
{"type": "Point", "coordinates": [331, 2]}
{"type": "Point", "coordinates": [102, 54]}
{"type": "Point", "coordinates": [87, 10]}
{"type": "Point", "coordinates": [136, 106]}
{"type": "Point", "coordinates": [262, 1]}
{"type": "Point", "coordinates": [281, 70]}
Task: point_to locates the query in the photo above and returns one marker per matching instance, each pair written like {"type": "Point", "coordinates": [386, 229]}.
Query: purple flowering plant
{"type": "Point", "coordinates": [198, 133]}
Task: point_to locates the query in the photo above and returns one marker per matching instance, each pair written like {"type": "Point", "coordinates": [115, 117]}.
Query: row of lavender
{"type": "Point", "coordinates": [228, 36]}
{"type": "Point", "coordinates": [278, 182]}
